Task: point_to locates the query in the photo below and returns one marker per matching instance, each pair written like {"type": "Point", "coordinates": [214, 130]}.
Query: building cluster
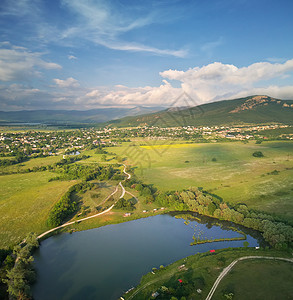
{"type": "Point", "coordinates": [56, 142]}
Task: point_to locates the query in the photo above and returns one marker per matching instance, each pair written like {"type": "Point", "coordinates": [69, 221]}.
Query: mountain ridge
{"type": "Point", "coordinates": [256, 109]}
{"type": "Point", "coordinates": [93, 116]}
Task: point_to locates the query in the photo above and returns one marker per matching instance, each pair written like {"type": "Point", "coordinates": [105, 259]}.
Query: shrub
{"type": "Point", "coordinates": [257, 154]}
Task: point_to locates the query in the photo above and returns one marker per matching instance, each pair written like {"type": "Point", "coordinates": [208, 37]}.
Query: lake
{"type": "Point", "coordinates": [105, 262]}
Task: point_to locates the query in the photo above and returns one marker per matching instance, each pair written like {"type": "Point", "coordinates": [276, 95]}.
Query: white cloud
{"type": "Point", "coordinates": [72, 57]}
{"type": "Point", "coordinates": [213, 82]}
{"type": "Point", "coordinates": [280, 92]}
{"type": "Point", "coordinates": [104, 24]}
{"type": "Point", "coordinates": [18, 63]}
{"type": "Point", "coordinates": [67, 83]}
{"type": "Point", "coordinates": [217, 80]}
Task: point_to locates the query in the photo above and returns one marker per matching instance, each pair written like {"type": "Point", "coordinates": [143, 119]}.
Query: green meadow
{"type": "Point", "coordinates": [26, 200]}
{"type": "Point", "coordinates": [258, 279]}
{"type": "Point", "coordinates": [31, 163]}
{"type": "Point", "coordinates": [228, 170]}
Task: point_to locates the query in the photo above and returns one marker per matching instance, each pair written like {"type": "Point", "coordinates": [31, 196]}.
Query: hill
{"type": "Point", "coordinates": [248, 110]}
{"type": "Point", "coordinates": [62, 117]}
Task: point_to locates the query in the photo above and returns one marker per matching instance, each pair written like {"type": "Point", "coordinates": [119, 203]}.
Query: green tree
{"type": "Point", "coordinates": [257, 154]}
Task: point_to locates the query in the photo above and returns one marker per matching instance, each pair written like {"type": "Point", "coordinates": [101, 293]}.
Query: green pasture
{"type": "Point", "coordinates": [258, 279]}
{"type": "Point", "coordinates": [201, 270]}
{"type": "Point", "coordinates": [226, 169]}
{"type": "Point", "coordinates": [25, 202]}
{"type": "Point", "coordinates": [33, 162]}
{"type": "Point", "coordinates": [97, 158]}
{"type": "Point", "coordinates": [95, 197]}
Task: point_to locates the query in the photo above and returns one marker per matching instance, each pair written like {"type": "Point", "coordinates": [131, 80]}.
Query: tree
{"type": "Point", "coordinates": [257, 154]}
{"type": "Point", "coordinates": [245, 244]}
{"type": "Point", "coordinates": [19, 278]}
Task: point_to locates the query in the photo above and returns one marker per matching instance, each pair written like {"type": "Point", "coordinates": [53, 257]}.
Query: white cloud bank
{"type": "Point", "coordinates": [216, 81]}
{"type": "Point", "coordinates": [212, 82]}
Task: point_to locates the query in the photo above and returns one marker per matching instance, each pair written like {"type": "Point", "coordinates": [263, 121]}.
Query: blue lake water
{"type": "Point", "coordinates": [103, 263]}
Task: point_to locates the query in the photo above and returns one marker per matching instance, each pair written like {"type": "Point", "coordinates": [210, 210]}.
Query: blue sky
{"type": "Point", "coordinates": [82, 54]}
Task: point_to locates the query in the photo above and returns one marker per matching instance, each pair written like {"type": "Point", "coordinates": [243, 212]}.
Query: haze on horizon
{"type": "Point", "coordinates": [75, 54]}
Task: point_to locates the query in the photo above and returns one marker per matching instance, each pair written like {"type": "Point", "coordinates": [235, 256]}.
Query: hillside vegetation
{"type": "Point", "coordinates": [248, 110]}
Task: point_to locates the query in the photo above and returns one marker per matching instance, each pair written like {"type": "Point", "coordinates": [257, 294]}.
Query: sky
{"type": "Point", "coordinates": [85, 54]}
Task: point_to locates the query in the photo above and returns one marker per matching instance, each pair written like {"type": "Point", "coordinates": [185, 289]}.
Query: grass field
{"type": "Point", "coordinates": [201, 270]}
{"type": "Point", "coordinates": [26, 200]}
{"type": "Point", "coordinates": [95, 197]}
{"type": "Point", "coordinates": [226, 169]}
{"type": "Point", "coordinates": [258, 279]}
{"type": "Point", "coordinates": [34, 162]}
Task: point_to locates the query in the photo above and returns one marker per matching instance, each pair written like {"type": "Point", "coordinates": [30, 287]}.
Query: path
{"type": "Point", "coordinates": [224, 272]}
{"type": "Point", "coordinates": [227, 269]}
{"type": "Point", "coordinates": [96, 215]}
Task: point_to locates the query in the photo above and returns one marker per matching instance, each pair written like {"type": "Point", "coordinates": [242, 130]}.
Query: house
{"type": "Point", "coordinates": [155, 294]}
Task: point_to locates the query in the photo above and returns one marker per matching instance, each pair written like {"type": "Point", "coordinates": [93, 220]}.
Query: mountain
{"type": "Point", "coordinates": [66, 117]}
{"type": "Point", "coordinates": [248, 110]}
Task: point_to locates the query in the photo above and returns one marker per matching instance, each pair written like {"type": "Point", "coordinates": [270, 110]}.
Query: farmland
{"type": "Point", "coordinates": [228, 170]}
{"type": "Point", "coordinates": [46, 183]}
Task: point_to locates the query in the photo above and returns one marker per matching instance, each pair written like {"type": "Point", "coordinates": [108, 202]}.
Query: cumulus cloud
{"type": "Point", "coordinates": [67, 83]}
{"type": "Point", "coordinates": [218, 80]}
{"type": "Point", "coordinates": [18, 63]}
{"type": "Point", "coordinates": [125, 96]}
{"type": "Point", "coordinates": [72, 57]}
{"type": "Point", "coordinates": [213, 82]}
{"type": "Point", "coordinates": [281, 92]}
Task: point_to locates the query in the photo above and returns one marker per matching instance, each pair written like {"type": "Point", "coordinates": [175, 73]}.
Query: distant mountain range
{"type": "Point", "coordinates": [68, 117]}
{"type": "Point", "coordinates": [248, 110]}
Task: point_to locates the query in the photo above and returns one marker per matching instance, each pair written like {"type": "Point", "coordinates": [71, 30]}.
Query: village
{"type": "Point", "coordinates": [44, 143]}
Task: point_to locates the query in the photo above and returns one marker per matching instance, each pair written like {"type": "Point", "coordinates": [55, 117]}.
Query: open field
{"type": "Point", "coordinates": [258, 279]}
{"type": "Point", "coordinates": [96, 196]}
{"type": "Point", "coordinates": [26, 200]}
{"type": "Point", "coordinates": [34, 162]}
{"type": "Point", "coordinates": [201, 270]}
{"type": "Point", "coordinates": [226, 169]}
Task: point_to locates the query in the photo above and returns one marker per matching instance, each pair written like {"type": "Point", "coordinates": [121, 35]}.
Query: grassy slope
{"type": "Point", "coordinates": [236, 176]}
{"type": "Point", "coordinates": [207, 266]}
{"type": "Point", "coordinates": [215, 113]}
{"type": "Point", "coordinates": [26, 200]}
{"type": "Point", "coordinates": [258, 279]}
{"type": "Point", "coordinates": [35, 162]}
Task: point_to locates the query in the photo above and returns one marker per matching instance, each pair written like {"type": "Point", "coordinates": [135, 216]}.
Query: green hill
{"type": "Point", "coordinates": [248, 110]}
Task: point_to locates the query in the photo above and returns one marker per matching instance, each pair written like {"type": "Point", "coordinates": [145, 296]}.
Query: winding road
{"type": "Point", "coordinates": [227, 270]}
{"type": "Point", "coordinates": [96, 215]}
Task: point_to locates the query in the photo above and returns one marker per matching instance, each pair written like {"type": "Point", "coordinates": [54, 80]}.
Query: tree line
{"type": "Point", "coordinates": [275, 231]}
{"type": "Point", "coordinates": [20, 273]}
